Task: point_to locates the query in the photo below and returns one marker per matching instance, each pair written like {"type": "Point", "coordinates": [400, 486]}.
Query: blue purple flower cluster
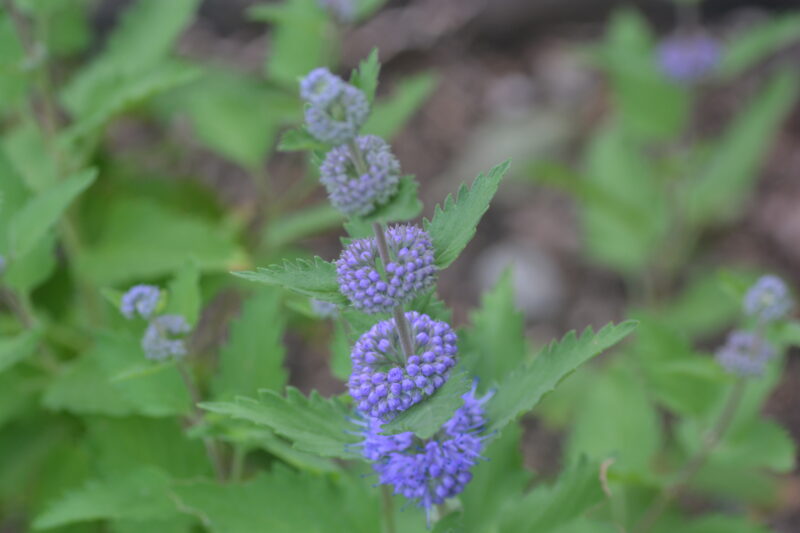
{"type": "Point", "coordinates": [335, 110]}
{"type": "Point", "coordinates": [373, 287]}
{"type": "Point", "coordinates": [357, 186]}
{"type": "Point", "coordinates": [746, 353]}
{"type": "Point", "coordinates": [432, 470]}
{"type": "Point", "coordinates": [164, 336]}
{"type": "Point", "coordinates": [384, 382]}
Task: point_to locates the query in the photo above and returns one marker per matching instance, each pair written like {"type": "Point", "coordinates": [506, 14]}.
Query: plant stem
{"type": "Point", "coordinates": [196, 418]}
{"type": "Point", "coordinates": [400, 319]}
{"type": "Point", "coordinates": [695, 462]}
{"type": "Point", "coordinates": [388, 509]}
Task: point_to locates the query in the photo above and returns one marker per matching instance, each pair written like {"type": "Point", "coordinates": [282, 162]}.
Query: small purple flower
{"type": "Point", "coordinates": [383, 382]}
{"type": "Point", "coordinates": [356, 193]}
{"type": "Point", "coordinates": [768, 299]}
{"type": "Point", "coordinates": [745, 354]}
{"type": "Point", "coordinates": [433, 470]}
{"type": "Point", "coordinates": [324, 309]}
{"type": "Point", "coordinates": [336, 110]}
{"type": "Point", "coordinates": [141, 300]}
{"type": "Point", "coordinates": [688, 58]}
{"type": "Point", "coordinates": [374, 288]}
{"type": "Point", "coordinates": [163, 337]}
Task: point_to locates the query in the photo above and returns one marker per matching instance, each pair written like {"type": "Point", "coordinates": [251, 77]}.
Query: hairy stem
{"type": "Point", "coordinates": [197, 418]}
{"type": "Point", "coordinates": [696, 462]}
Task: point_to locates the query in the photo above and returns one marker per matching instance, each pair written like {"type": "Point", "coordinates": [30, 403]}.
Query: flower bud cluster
{"type": "Point", "coordinates": [768, 300]}
{"type": "Point", "coordinates": [688, 58]}
{"type": "Point", "coordinates": [335, 110]}
{"type": "Point", "coordinates": [373, 287]}
{"type": "Point", "coordinates": [383, 382]}
{"type": "Point", "coordinates": [745, 353]}
{"type": "Point", "coordinates": [164, 336]}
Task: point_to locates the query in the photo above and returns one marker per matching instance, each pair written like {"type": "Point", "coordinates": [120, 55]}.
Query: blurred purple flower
{"type": "Point", "coordinates": [745, 354]}
{"type": "Point", "coordinates": [768, 299]}
{"type": "Point", "coordinates": [336, 110]}
{"type": "Point", "coordinates": [688, 58]}
{"type": "Point", "coordinates": [141, 300]}
{"type": "Point", "coordinates": [163, 337]}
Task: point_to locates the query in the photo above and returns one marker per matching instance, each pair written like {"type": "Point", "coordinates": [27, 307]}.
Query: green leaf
{"type": "Point", "coordinates": [86, 385]}
{"type": "Point", "coordinates": [122, 445]}
{"type": "Point", "coordinates": [314, 424]}
{"type": "Point", "coordinates": [718, 193]}
{"type": "Point", "coordinates": [404, 205]}
{"type": "Point", "coordinates": [389, 115]}
{"type": "Point", "coordinates": [522, 389]}
{"type": "Point", "coordinates": [453, 225]}
{"type": "Point", "coordinates": [142, 495]}
{"type": "Point", "coordinates": [144, 36]}
{"type": "Point", "coordinates": [366, 76]}
{"type": "Point", "coordinates": [635, 419]}
{"type": "Point", "coordinates": [300, 39]}
{"type": "Point", "coordinates": [184, 294]}
{"type": "Point", "coordinates": [253, 356]}
{"type": "Point", "coordinates": [427, 417]}
{"type": "Point", "coordinates": [280, 502]}
{"type": "Point", "coordinates": [236, 115]}
{"type": "Point", "coordinates": [576, 491]}
{"type": "Point", "coordinates": [498, 483]}
{"type": "Point", "coordinates": [15, 349]}
{"type": "Point", "coordinates": [495, 344]}
{"type": "Point", "coordinates": [316, 278]}
{"type": "Point", "coordinates": [298, 140]}
{"type": "Point", "coordinates": [143, 239]}
{"type": "Point", "coordinates": [749, 49]}
{"type": "Point", "coordinates": [31, 223]}
{"type": "Point", "coordinates": [301, 223]}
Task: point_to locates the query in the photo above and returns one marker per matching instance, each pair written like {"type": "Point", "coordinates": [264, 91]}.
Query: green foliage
{"type": "Point", "coordinates": [720, 189]}
{"type": "Point", "coordinates": [390, 114]}
{"type": "Point", "coordinates": [30, 224]}
{"type": "Point", "coordinates": [316, 278]}
{"type": "Point", "coordinates": [184, 294]}
{"type": "Point", "coordinates": [314, 424]}
{"type": "Point", "coordinates": [15, 349]}
{"type": "Point", "coordinates": [453, 225]}
{"type": "Point", "coordinates": [253, 355]}
{"type": "Point", "coordinates": [366, 77]}
{"type": "Point", "coordinates": [769, 36]}
{"type": "Point", "coordinates": [524, 386]}
{"type": "Point", "coordinates": [495, 344]}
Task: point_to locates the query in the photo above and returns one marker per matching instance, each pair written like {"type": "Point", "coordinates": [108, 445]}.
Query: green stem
{"type": "Point", "coordinates": [388, 509]}
{"type": "Point", "coordinates": [696, 462]}
{"type": "Point", "coordinates": [196, 418]}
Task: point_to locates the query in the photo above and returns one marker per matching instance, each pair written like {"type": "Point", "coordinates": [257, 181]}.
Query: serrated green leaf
{"type": "Point", "coordinates": [15, 349]}
{"type": "Point", "coordinates": [752, 46]}
{"type": "Point", "coordinates": [253, 356]}
{"type": "Point", "coordinates": [143, 494]}
{"type": "Point", "coordinates": [31, 223]}
{"type": "Point", "coordinates": [522, 389]}
{"type": "Point", "coordinates": [428, 416]}
{"type": "Point", "coordinates": [390, 114]}
{"type": "Point", "coordinates": [718, 192]}
{"type": "Point", "coordinates": [315, 278]}
{"type": "Point", "coordinates": [453, 226]}
{"type": "Point", "coordinates": [495, 344]}
{"type": "Point", "coordinates": [184, 294]}
{"type": "Point", "coordinates": [314, 424]}
{"type": "Point", "coordinates": [366, 76]}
